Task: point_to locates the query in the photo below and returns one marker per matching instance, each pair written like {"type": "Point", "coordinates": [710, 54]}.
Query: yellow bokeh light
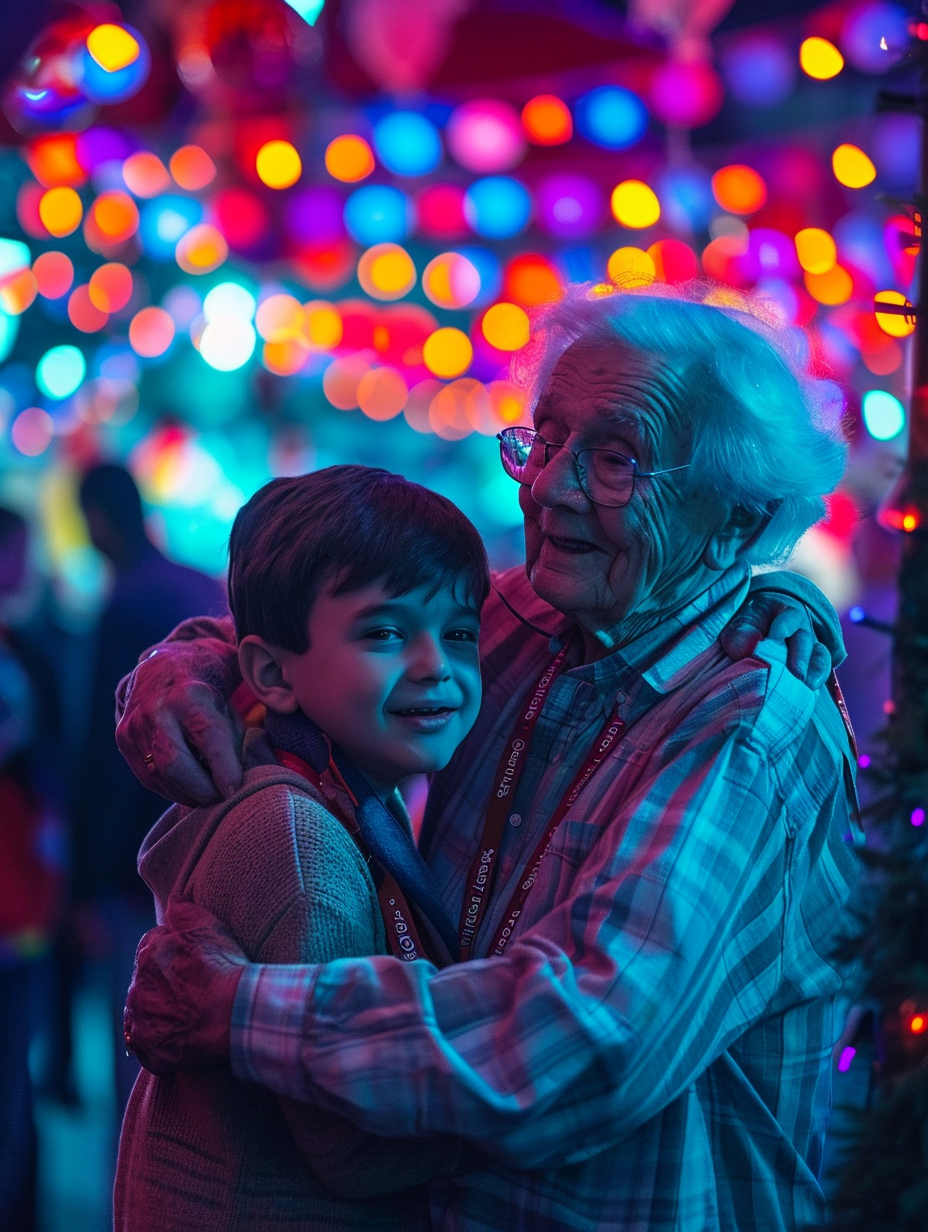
{"type": "Point", "coordinates": [816, 250]}
{"type": "Point", "coordinates": [60, 210]}
{"type": "Point", "coordinates": [349, 158]}
{"type": "Point", "coordinates": [897, 325]}
{"type": "Point", "coordinates": [852, 167]}
{"type": "Point", "coordinates": [278, 164]}
{"type": "Point", "coordinates": [631, 267]}
{"type": "Point", "coordinates": [634, 204]}
{"type": "Point", "coordinates": [112, 47]}
{"type": "Point", "coordinates": [452, 411]}
{"type": "Point", "coordinates": [322, 325]}
{"type": "Point", "coordinates": [820, 59]}
{"type": "Point", "coordinates": [832, 288]}
{"type": "Point", "coordinates": [451, 281]}
{"type": "Point", "coordinates": [447, 352]}
{"type": "Point", "coordinates": [115, 215]}
{"type": "Point", "coordinates": [507, 402]}
{"type": "Point", "coordinates": [386, 272]}
{"type": "Point", "coordinates": [284, 357]}
{"type": "Point", "coordinates": [506, 327]}
{"type": "Point", "coordinates": [17, 291]}
{"type": "Point", "coordinates": [382, 393]}
{"type": "Point", "coordinates": [202, 250]}
{"type": "Point", "coordinates": [280, 318]}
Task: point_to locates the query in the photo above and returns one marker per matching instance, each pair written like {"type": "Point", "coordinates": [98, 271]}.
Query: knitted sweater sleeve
{"type": "Point", "coordinates": [292, 886]}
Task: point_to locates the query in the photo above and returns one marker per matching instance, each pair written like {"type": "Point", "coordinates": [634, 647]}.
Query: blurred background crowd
{"type": "Point", "coordinates": [247, 238]}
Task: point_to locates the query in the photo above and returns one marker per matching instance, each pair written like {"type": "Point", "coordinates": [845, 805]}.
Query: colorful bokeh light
{"type": "Point", "coordinates": [113, 47]}
{"type": "Point", "coordinates": [382, 393]}
{"type": "Point", "coordinates": [145, 175]}
{"type": "Point", "coordinates": [739, 189]}
{"type": "Point", "coordinates": [61, 211]}
{"type": "Point", "coordinates": [407, 144]}
{"type": "Point", "coordinates": [631, 267]}
{"type": "Point", "coordinates": [611, 117]}
{"type": "Point", "coordinates": [227, 343]}
{"type": "Point", "coordinates": [485, 136]}
{"type": "Point", "coordinates": [852, 167]}
{"type": "Point", "coordinates": [278, 165]}
{"type": "Point", "coordinates": [896, 325]}
{"type": "Point", "coordinates": [447, 352]}
{"type": "Point", "coordinates": [192, 168]}
{"type": "Point", "coordinates": [110, 287]}
{"type": "Point", "coordinates": [820, 59]}
{"type": "Point", "coordinates": [377, 214]}
{"type": "Point", "coordinates": [831, 288]}
{"type": "Point", "coordinates": [32, 431]}
{"type": "Point", "coordinates": [322, 325]}
{"type": "Point", "coordinates": [115, 216]}
{"type": "Point", "coordinates": [816, 250]}
{"type": "Point", "coordinates": [531, 279]}
{"type": "Point", "coordinates": [60, 371]}
{"type": "Point", "coordinates": [54, 274]}
{"type": "Point", "coordinates": [883, 414]}
{"type": "Point", "coordinates": [386, 272]}
{"type": "Point", "coordinates": [635, 205]}
{"type": "Point", "coordinates": [506, 327]}
{"type": "Point", "coordinates": [497, 207]}
{"type": "Point", "coordinates": [451, 281]}
{"type": "Point", "coordinates": [201, 250]}
{"type": "Point", "coordinates": [151, 332]}
{"type": "Point", "coordinates": [547, 120]}
{"type": "Point", "coordinates": [349, 158]}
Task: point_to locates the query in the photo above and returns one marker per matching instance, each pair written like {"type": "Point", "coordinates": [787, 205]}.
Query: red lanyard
{"type": "Point", "coordinates": [402, 933]}
{"type": "Point", "coordinates": [508, 776]}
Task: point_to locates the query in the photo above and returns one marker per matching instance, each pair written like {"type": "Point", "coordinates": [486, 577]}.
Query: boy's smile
{"type": "Point", "coordinates": [394, 681]}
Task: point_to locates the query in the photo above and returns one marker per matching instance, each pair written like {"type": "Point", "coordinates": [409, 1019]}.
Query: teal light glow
{"type": "Point", "coordinates": [14, 255]}
{"type": "Point", "coordinates": [9, 328]}
{"type": "Point", "coordinates": [309, 10]}
{"type": "Point", "coordinates": [60, 371]}
{"type": "Point", "coordinates": [884, 415]}
{"type": "Point", "coordinates": [229, 300]}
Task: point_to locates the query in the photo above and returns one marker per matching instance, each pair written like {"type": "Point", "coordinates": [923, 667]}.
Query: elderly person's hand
{"type": "Point", "coordinates": [780, 618]}
{"type": "Point", "coordinates": [178, 732]}
{"type": "Point", "coordinates": [179, 1006]}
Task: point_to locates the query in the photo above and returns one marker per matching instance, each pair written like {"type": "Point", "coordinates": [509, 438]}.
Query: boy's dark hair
{"type": "Point", "coordinates": [354, 525]}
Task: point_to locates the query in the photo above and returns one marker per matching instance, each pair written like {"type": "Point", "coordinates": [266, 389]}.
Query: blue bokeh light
{"type": "Point", "coordinates": [101, 86]}
{"type": "Point", "coordinates": [378, 214]}
{"type": "Point", "coordinates": [162, 222]}
{"type": "Point", "coordinates": [759, 71]}
{"type": "Point", "coordinates": [497, 207]}
{"type": "Point", "coordinates": [611, 117]}
{"type": "Point", "coordinates": [407, 143]}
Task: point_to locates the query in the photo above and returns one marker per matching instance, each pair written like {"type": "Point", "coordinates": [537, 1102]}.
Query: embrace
{"type": "Point", "coordinates": [600, 995]}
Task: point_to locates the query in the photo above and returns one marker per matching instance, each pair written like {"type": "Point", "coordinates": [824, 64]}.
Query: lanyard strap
{"type": "Point", "coordinates": [402, 933]}
{"type": "Point", "coordinates": [508, 776]}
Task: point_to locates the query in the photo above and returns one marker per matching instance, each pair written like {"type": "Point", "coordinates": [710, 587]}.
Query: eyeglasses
{"type": "Point", "coordinates": [606, 478]}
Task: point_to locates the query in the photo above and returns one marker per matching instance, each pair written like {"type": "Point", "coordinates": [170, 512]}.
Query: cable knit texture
{"type": "Point", "coordinates": [202, 1151]}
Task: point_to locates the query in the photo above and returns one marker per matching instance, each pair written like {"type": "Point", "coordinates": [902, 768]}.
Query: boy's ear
{"type": "Point", "coordinates": [260, 665]}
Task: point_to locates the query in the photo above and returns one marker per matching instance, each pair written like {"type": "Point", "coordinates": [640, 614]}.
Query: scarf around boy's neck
{"type": "Point", "coordinates": [386, 840]}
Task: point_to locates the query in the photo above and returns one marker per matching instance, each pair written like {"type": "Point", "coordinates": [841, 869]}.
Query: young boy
{"type": "Point", "coordinates": [356, 598]}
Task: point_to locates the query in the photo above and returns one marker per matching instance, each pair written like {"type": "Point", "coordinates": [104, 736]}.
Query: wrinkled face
{"type": "Point", "coordinates": [598, 565]}
{"type": "Point", "coordinates": [394, 682]}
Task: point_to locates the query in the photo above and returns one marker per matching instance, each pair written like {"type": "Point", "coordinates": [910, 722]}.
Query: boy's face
{"type": "Point", "coordinates": [393, 681]}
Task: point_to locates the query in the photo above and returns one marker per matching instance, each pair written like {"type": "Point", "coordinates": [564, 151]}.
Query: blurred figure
{"type": "Point", "coordinates": [30, 888]}
{"type": "Point", "coordinates": [113, 812]}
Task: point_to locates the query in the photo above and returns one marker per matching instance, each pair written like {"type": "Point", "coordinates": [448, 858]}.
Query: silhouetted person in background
{"type": "Point", "coordinates": [113, 812]}
{"type": "Point", "coordinates": [31, 878]}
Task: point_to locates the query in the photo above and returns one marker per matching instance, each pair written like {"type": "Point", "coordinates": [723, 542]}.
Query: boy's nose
{"type": "Point", "coordinates": [429, 661]}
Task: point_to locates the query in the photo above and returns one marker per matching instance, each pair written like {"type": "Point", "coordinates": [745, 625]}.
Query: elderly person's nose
{"type": "Point", "coordinates": [559, 482]}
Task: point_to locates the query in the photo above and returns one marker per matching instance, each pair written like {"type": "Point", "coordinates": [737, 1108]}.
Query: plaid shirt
{"type": "Point", "coordinates": [653, 1049]}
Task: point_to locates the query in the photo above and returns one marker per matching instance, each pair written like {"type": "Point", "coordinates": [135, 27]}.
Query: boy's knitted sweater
{"type": "Point", "coordinates": [202, 1151]}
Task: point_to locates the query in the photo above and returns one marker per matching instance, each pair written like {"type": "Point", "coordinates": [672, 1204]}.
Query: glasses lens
{"type": "Point", "coordinates": [609, 478]}
{"type": "Point", "coordinates": [518, 453]}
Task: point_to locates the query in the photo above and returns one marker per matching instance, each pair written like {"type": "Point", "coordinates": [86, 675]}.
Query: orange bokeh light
{"type": "Point", "coordinates": [832, 288]}
{"type": "Point", "coordinates": [110, 287]}
{"type": "Point", "coordinates": [322, 325]}
{"type": "Point", "coordinates": [151, 332]}
{"type": "Point", "coordinates": [386, 272]}
{"type": "Point", "coordinates": [506, 327]}
{"type": "Point", "coordinates": [739, 189]}
{"type": "Point", "coordinates": [53, 161]}
{"type": "Point", "coordinates": [202, 250]}
{"type": "Point", "coordinates": [61, 211]}
{"type": "Point", "coordinates": [115, 216]}
{"type": "Point", "coordinates": [54, 274]}
{"type": "Point", "coordinates": [547, 120]}
{"type": "Point", "coordinates": [382, 393]}
{"type": "Point", "coordinates": [917, 1022]}
{"type": "Point", "coordinates": [631, 267]}
{"type": "Point", "coordinates": [285, 357]}
{"type": "Point", "coordinates": [145, 175]}
{"type": "Point", "coordinates": [192, 168]}
{"type": "Point", "coordinates": [17, 291]}
{"type": "Point", "coordinates": [83, 312]}
{"type": "Point", "coordinates": [341, 379]}
{"type": "Point", "coordinates": [530, 280]}
{"type": "Point", "coordinates": [280, 318]}
{"type": "Point", "coordinates": [852, 167]}
{"type": "Point", "coordinates": [349, 158]}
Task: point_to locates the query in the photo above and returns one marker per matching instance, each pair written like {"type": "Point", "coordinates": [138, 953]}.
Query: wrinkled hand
{"type": "Point", "coordinates": [179, 1008]}
{"type": "Point", "coordinates": [178, 733]}
{"type": "Point", "coordinates": [784, 620]}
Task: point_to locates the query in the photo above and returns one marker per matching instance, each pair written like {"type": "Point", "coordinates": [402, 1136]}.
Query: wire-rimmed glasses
{"type": "Point", "coordinates": [606, 477]}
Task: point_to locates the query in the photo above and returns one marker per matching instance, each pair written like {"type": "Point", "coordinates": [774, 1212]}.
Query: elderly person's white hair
{"type": "Point", "coordinates": [765, 436]}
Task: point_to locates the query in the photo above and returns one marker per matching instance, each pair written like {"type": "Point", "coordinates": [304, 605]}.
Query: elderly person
{"type": "Point", "coordinates": [645, 842]}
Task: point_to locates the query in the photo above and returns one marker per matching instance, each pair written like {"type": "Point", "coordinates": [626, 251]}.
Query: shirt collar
{"type": "Point", "coordinates": [663, 658]}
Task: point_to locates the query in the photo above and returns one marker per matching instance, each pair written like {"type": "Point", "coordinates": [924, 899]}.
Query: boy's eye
{"type": "Point", "coordinates": [382, 634]}
{"type": "Point", "coordinates": [462, 635]}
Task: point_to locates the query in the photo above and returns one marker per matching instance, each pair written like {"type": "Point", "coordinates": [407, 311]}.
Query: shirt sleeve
{"type": "Point", "coordinates": [671, 945]}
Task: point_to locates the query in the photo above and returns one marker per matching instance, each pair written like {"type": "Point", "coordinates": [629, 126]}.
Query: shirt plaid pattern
{"type": "Point", "coordinates": [653, 1049]}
